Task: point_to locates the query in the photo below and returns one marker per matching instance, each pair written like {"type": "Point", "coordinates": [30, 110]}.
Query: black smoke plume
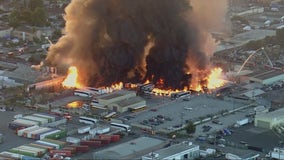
{"type": "Point", "coordinates": [131, 40]}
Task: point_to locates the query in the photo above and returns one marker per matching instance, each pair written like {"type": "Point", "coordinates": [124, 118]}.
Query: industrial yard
{"type": "Point", "coordinates": [142, 89]}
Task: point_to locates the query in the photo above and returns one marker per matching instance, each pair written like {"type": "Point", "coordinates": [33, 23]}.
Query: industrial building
{"type": "Point", "coordinates": [121, 101]}
{"type": "Point", "coordinates": [270, 119]}
{"type": "Point", "coordinates": [114, 97]}
{"type": "Point", "coordinates": [46, 84]}
{"type": "Point", "coordinates": [178, 151]}
{"type": "Point", "coordinates": [266, 77]}
{"type": "Point", "coordinates": [126, 104]}
{"type": "Point", "coordinates": [130, 150]}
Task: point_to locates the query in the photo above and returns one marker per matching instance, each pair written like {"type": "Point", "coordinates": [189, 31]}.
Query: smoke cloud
{"type": "Point", "coordinates": [134, 40]}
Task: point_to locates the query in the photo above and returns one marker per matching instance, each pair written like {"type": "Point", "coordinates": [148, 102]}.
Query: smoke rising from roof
{"type": "Point", "coordinates": [134, 40]}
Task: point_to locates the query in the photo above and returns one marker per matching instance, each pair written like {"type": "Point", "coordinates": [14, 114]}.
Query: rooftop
{"type": "Point", "coordinates": [130, 101]}
{"type": "Point", "coordinates": [115, 94]}
{"type": "Point", "coordinates": [266, 74]}
{"type": "Point", "coordinates": [273, 114]}
{"type": "Point", "coordinates": [124, 150]}
{"type": "Point", "coordinates": [174, 149]}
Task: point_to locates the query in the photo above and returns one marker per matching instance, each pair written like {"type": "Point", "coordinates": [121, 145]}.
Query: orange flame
{"type": "Point", "coordinates": [71, 81]}
{"type": "Point", "coordinates": [214, 79]}
{"type": "Point", "coordinates": [117, 86]}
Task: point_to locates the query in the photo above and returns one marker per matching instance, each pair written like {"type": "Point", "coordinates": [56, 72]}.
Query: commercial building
{"type": "Point", "coordinates": [270, 119]}
{"type": "Point", "coordinates": [250, 156]}
{"type": "Point", "coordinates": [121, 101]}
{"type": "Point", "coordinates": [115, 97]}
{"type": "Point", "coordinates": [133, 149]}
{"type": "Point", "coordinates": [178, 151]}
{"type": "Point", "coordinates": [266, 77]}
{"type": "Point", "coordinates": [126, 104]}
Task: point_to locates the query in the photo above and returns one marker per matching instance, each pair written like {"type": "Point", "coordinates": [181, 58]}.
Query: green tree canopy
{"type": "Point", "coordinates": [280, 37]}
{"type": "Point", "coordinates": [34, 4]}
{"type": "Point", "coordinates": [190, 127]}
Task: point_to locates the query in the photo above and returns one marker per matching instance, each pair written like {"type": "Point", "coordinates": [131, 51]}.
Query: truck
{"type": "Point", "coordinates": [1, 138]}
{"type": "Point", "coordinates": [242, 122]}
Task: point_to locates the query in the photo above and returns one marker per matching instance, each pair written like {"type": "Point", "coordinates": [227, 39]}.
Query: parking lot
{"type": "Point", "coordinates": [177, 112]}
{"type": "Point", "coordinates": [10, 138]}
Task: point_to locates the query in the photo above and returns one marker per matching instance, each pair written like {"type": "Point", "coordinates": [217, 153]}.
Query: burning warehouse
{"type": "Point", "coordinates": [163, 41]}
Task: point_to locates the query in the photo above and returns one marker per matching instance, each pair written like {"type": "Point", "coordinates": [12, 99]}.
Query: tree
{"type": "Point", "coordinates": [56, 34]}
{"type": "Point", "coordinates": [190, 127]}
{"type": "Point", "coordinates": [280, 37]}
{"type": "Point", "coordinates": [13, 19]}
{"type": "Point", "coordinates": [39, 17]}
{"type": "Point", "coordinates": [33, 4]}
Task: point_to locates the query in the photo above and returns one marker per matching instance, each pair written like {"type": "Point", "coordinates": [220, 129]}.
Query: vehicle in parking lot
{"type": "Point", "coordinates": [153, 109]}
{"type": "Point", "coordinates": [216, 121]}
{"type": "Point", "coordinates": [243, 142]}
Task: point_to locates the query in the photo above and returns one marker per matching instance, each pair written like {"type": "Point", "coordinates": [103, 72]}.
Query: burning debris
{"type": "Point", "coordinates": [134, 41]}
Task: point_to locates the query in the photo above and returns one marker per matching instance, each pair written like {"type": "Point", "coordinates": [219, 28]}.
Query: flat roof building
{"type": "Point", "coordinates": [126, 104]}
{"type": "Point", "coordinates": [270, 119]}
{"type": "Point", "coordinates": [130, 150]}
{"type": "Point", "coordinates": [115, 96]}
{"type": "Point", "coordinates": [121, 101]}
{"type": "Point", "coordinates": [177, 151]}
{"type": "Point", "coordinates": [266, 77]}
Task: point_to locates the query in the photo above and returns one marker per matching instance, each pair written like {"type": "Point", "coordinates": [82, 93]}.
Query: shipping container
{"type": "Point", "coordinates": [57, 135]}
{"type": "Point", "coordinates": [70, 148]}
{"type": "Point", "coordinates": [56, 146]}
{"type": "Point", "coordinates": [21, 131]}
{"type": "Point", "coordinates": [104, 141]}
{"type": "Point", "coordinates": [83, 130]}
{"type": "Point", "coordinates": [48, 117]}
{"type": "Point", "coordinates": [37, 148]}
{"type": "Point", "coordinates": [115, 138]}
{"type": "Point", "coordinates": [39, 131]}
{"type": "Point", "coordinates": [21, 123]}
{"type": "Point", "coordinates": [4, 157]}
{"type": "Point", "coordinates": [103, 130]}
{"type": "Point", "coordinates": [73, 140]}
{"type": "Point", "coordinates": [64, 153]}
{"type": "Point", "coordinates": [93, 131]}
{"type": "Point", "coordinates": [82, 148]}
{"type": "Point", "coordinates": [60, 143]}
{"type": "Point", "coordinates": [27, 132]}
{"type": "Point", "coordinates": [43, 135]}
{"type": "Point", "coordinates": [43, 144]}
{"type": "Point", "coordinates": [37, 151]}
{"type": "Point", "coordinates": [23, 152]}
{"type": "Point", "coordinates": [31, 120]}
{"type": "Point", "coordinates": [30, 158]}
{"type": "Point", "coordinates": [11, 155]}
{"type": "Point", "coordinates": [94, 144]}
{"type": "Point", "coordinates": [39, 119]}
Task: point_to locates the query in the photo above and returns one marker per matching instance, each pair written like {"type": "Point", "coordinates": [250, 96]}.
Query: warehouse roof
{"type": "Point", "coordinates": [253, 93]}
{"type": "Point", "coordinates": [266, 75]}
{"type": "Point", "coordinates": [115, 94]}
{"type": "Point", "coordinates": [130, 101]}
{"type": "Point", "coordinates": [273, 114]}
{"type": "Point", "coordinates": [172, 150]}
{"type": "Point", "coordinates": [128, 148]}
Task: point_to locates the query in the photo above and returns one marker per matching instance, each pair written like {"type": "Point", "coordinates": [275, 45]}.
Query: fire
{"type": "Point", "coordinates": [117, 86]}
{"type": "Point", "coordinates": [71, 81]}
{"type": "Point", "coordinates": [214, 79]}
